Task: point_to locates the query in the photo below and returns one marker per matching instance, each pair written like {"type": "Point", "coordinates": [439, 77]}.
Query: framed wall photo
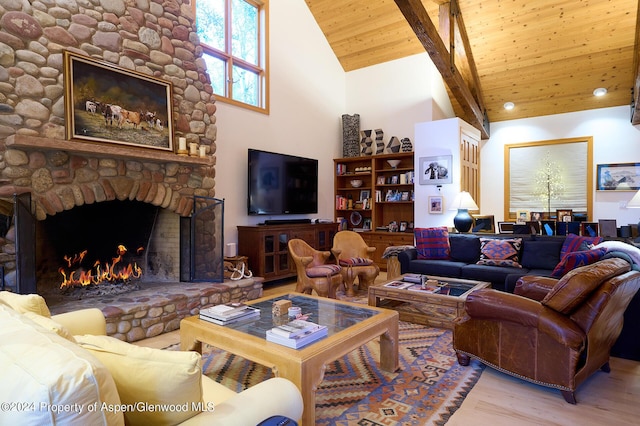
{"type": "Point", "coordinates": [435, 170]}
{"type": "Point", "coordinates": [108, 104]}
{"type": "Point", "coordinates": [618, 177]}
{"type": "Point", "coordinates": [436, 204]}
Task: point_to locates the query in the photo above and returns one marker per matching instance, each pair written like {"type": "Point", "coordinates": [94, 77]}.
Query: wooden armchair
{"type": "Point", "coordinates": [354, 256]}
{"type": "Point", "coordinates": [314, 273]}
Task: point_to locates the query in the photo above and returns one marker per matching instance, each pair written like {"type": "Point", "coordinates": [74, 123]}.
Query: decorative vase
{"type": "Point", "coordinates": [366, 143]}
{"type": "Point", "coordinates": [350, 138]}
{"type": "Point", "coordinates": [379, 141]}
{"type": "Point", "coordinates": [407, 146]}
{"type": "Point", "coordinates": [393, 146]}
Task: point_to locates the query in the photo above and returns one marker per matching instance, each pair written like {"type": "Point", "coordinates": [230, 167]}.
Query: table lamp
{"type": "Point", "coordinates": [463, 203]}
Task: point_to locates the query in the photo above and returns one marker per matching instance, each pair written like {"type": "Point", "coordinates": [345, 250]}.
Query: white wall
{"type": "Point", "coordinates": [307, 100]}
{"type": "Point", "coordinates": [615, 140]}
{"type": "Point", "coordinates": [394, 96]}
{"type": "Point", "coordinates": [438, 138]}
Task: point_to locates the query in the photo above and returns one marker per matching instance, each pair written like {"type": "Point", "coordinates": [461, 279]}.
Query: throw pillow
{"type": "Point", "coordinates": [576, 259]}
{"type": "Point", "coordinates": [355, 261]}
{"type": "Point", "coordinates": [500, 252]}
{"type": "Point", "coordinates": [573, 242]}
{"type": "Point", "coordinates": [22, 303]}
{"type": "Point", "coordinates": [151, 376]}
{"type": "Point", "coordinates": [432, 243]}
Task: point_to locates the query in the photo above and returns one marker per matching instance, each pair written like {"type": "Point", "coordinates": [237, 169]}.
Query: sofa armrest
{"type": "Point", "coordinates": [498, 306]}
{"type": "Point", "coordinates": [273, 397]}
{"type": "Point", "coordinates": [83, 321]}
{"type": "Point", "coordinates": [534, 287]}
{"type": "Point", "coordinates": [405, 257]}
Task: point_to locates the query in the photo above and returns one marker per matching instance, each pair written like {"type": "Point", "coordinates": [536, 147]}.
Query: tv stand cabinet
{"type": "Point", "coordinates": [266, 246]}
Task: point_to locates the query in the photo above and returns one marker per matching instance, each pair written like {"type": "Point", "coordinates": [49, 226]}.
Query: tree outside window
{"type": "Point", "coordinates": [233, 34]}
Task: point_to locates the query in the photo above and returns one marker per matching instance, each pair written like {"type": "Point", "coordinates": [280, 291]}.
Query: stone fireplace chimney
{"type": "Point", "coordinates": [153, 37]}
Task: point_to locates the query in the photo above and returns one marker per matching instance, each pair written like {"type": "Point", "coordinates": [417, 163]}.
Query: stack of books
{"type": "Point", "coordinates": [229, 313]}
{"type": "Point", "coordinates": [296, 334]}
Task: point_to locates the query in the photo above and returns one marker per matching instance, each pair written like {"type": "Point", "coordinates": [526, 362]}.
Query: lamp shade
{"type": "Point", "coordinates": [634, 203]}
{"type": "Point", "coordinates": [464, 201]}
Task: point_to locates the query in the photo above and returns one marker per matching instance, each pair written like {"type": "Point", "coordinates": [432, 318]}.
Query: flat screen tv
{"type": "Point", "coordinates": [281, 184]}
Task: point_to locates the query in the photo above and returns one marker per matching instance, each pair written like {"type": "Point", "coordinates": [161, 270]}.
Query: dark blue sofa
{"type": "Point", "coordinates": [539, 256]}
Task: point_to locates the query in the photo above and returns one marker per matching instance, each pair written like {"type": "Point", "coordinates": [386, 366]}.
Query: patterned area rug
{"type": "Point", "coordinates": [427, 389]}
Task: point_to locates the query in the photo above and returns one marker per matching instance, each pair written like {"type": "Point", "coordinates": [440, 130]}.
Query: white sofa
{"type": "Point", "coordinates": [64, 370]}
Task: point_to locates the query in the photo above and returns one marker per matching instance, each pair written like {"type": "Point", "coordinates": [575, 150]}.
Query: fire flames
{"type": "Point", "coordinates": [74, 274]}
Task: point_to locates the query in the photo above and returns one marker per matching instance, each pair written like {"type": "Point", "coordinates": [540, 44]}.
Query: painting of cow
{"type": "Point", "coordinates": [106, 103]}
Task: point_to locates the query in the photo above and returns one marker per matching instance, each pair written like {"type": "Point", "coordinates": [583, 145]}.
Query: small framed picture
{"type": "Point", "coordinates": [522, 217]}
{"type": "Point", "coordinates": [436, 204]}
{"type": "Point", "coordinates": [404, 196]}
{"type": "Point", "coordinates": [366, 224]}
{"type": "Point", "coordinates": [506, 227]}
{"type": "Point", "coordinates": [380, 180]}
{"type": "Point", "coordinates": [365, 194]}
{"type": "Point", "coordinates": [536, 216]}
{"type": "Point", "coordinates": [565, 215]}
{"type": "Point", "coordinates": [403, 226]}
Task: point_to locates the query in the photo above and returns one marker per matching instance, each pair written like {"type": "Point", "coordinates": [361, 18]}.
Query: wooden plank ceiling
{"type": "Point", "coordinates": [545, 56]}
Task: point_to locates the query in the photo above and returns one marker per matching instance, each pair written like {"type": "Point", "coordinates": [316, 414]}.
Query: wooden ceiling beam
{"type": "Point", "coordinates": [417, 17]}
{"type": "Point", "coordinates": [635, 94]}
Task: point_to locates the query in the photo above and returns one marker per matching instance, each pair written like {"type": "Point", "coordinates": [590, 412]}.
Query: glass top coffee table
{"type": "Point", "coordinates": [350, 326]}
{"type": "Point", "coordinates": [432, 309]}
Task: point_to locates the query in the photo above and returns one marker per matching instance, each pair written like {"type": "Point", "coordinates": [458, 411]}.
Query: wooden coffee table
{"type": "Point", "coordinates": [432, 309]}
{"type": "Point", "coordinates": [350, 326]}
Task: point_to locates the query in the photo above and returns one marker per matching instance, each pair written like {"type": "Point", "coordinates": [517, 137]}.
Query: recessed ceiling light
{"type": "Point", "coordinates": [600, 91]}
{"type": "Point", "coordinates": [509, 105]}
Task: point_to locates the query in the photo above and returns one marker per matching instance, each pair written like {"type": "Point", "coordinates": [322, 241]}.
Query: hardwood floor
{"type": "Point", "coordinates": [499, 399]}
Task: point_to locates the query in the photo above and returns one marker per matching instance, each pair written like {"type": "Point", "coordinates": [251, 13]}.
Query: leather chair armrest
{"type": "Point", "coordinates": [494, 305]}
{"type": "Point", "coordinates": [534, 287]}
{"type": "Point", "coordinates": [83, 321]}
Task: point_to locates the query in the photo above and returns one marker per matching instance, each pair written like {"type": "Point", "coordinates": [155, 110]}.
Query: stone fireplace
{"type": "Point", "coordinates": [70, 177]}
{"type": "Point", "coordinates": [152, 37]}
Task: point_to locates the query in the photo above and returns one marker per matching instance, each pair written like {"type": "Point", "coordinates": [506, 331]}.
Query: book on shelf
{"type": "Point", "coordinates": [398, 284]}
{"type": "Point", "coordinates": [248, 314]}
{"type": "Point", "coordinates": [300, 340]}
{"type": "Point", "coordinates": [294, 328]}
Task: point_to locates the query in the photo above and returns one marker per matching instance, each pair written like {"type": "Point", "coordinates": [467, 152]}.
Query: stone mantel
{"type": "Point", "coordinates": [98, 149]}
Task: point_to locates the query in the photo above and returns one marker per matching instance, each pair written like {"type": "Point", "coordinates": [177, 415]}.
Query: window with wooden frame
{"type": "Point", "coordinates": [233, 35]}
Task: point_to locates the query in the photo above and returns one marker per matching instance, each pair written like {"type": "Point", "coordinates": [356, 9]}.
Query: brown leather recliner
{"type": "Point", "coordinates": [551, 332]}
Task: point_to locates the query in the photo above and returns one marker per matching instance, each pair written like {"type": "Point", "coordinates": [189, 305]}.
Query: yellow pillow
{"type": "Point", "coordinates": [50, 324]}
{"type": "Point", "coordinates": [150, 376]}
{"type": "Point", "coordinates": [22, 303]}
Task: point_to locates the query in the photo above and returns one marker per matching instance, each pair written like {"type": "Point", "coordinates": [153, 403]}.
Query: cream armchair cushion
{"type": "Point", "coordinates": [47, 371]}
{"type": "Point", "coordinates": [150, 376]}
